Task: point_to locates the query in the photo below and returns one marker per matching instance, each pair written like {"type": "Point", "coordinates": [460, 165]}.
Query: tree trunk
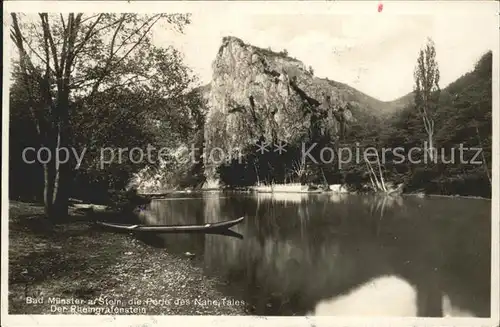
{"type": "Point", "coordinates": [382, 182]}
{"type": "Point", "coordinates": [56, 190]}
{"type": "Point", "coordinates": [256, 174]}
{"type": "Point", "coordinates": [58, 178]}
{"type": "Point", "coordinates": [432, 157]}
{"type": "Point", "coordinates": [379, 184]}
{"type": "Point", "coordinates": [48, 190]}
{"type": "Point", "coordinates": [485, 163]}
{"type": "Point", "coordinates": [61, 191]}
{"type": "Point", "coordinates": [62, 183]}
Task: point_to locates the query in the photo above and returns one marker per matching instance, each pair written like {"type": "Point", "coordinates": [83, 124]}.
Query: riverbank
{"type": "Point", "coordinates": [269, 190]}
{"type": "Point", "coordinates": [303, 189]}
{"type": "Point", "coordinates": [78, 268]}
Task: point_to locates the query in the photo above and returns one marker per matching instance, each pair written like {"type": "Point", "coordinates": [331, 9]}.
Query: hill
{"type": "Point", "coordinates": [463, 119]}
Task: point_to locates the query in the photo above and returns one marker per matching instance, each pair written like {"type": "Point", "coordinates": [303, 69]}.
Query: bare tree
{"type": "Point", "coordinates": [378, 182]}
{"type": "Point", "coordinates": [299, 168]}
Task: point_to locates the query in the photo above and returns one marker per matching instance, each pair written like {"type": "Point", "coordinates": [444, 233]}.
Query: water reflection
{"type": "Point", "coordinates": [283, 197]}
{"type": "Point", "coordinates": [332, 255]}
{"type": "Point", "coordinates": [382, 296]}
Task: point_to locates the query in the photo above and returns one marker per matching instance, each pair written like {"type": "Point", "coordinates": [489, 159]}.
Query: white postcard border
{"type": "Point", "coordinates": [274, 7]}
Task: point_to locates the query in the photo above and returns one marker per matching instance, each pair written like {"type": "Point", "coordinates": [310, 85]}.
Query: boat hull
{"type": "Point", "coordinates": [209, 227]}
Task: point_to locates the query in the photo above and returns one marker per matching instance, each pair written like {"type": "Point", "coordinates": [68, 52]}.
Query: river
{"type": "Point", "coordinates": [331, 254]}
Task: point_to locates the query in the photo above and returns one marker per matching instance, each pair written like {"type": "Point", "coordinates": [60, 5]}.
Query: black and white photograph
{"type": "Point", "coordinates": [315, 163]}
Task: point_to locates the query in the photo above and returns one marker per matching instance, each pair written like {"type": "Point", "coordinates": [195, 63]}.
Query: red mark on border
{"type": "Point", "coordinates": [380, 7]}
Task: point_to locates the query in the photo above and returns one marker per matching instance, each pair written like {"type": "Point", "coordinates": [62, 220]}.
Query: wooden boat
{"type": "Point", "coordinates": [207, 228]}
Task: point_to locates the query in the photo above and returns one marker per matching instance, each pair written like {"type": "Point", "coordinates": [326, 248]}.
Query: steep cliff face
{"type": "Point", "coordinates": [259, 93]}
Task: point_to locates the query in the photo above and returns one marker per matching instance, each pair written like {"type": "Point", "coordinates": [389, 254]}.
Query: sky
{"type": "Point", "coordinates": [375, 53]}
{"type": "Point", "coordinates": [345, 41]}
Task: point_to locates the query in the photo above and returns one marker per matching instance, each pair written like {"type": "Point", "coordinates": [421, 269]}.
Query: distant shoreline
{"type": "Point", "coordinates": [314, 192]}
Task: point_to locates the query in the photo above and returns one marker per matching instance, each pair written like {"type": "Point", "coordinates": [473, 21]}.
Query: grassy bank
{"type": "Point", "coordinates": [89, 269]}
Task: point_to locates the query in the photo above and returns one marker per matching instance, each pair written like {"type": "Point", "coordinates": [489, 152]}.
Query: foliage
{"type": "Point", "coordinates": [25, 180]}
{"type": "Point", "coordinates": [463, 115]}
{"type": "Point", "coordinates": [97, 81]}
{"type": "Point", "coordinates": [427, 90]}
{"type": "Point", "coordinates": [94, 81]}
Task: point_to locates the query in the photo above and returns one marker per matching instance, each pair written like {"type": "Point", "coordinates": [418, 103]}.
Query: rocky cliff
{"type": "Point", "coordinates": [258, 93]}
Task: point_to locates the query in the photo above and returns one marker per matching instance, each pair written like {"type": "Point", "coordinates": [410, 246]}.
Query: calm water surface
{"type": "Point", "coordinates": [340, 254]}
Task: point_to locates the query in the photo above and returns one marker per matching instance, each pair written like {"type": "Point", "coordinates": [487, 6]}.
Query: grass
{"type": "Point", "coordinates": [79, 261]}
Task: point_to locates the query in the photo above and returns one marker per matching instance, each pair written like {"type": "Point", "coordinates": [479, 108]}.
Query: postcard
{"type": "Point", "coordinates": [235, 163]}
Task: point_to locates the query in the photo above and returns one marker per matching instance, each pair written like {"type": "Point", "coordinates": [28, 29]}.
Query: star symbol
{"type": "Point", "coordinates": [262, 147]}
{"type": "Point", "coordinates": [280, 147]}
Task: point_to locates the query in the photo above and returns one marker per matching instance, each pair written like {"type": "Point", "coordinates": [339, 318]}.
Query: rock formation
{"type": "Point", "coordinates": [258, 93]}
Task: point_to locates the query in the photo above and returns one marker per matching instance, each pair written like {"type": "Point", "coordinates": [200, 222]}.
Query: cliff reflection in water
{"type": "Point", "coordinates": [342, 254]}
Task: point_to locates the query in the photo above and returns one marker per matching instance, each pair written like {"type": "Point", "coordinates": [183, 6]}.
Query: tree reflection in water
{"type": "Point", "coordinates": [301, 252]}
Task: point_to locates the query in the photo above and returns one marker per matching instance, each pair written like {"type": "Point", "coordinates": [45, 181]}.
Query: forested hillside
{"type": "Point", "coordinates": [255, 95]}
{"type": "Point", "coordinates": [461, 120]}
{"type": "Point", "coordinates": [463, 117]}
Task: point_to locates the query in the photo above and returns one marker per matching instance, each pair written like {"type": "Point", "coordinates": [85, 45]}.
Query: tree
{"type": "Point", "coordinates": [25, 180]}
{"type": "Point", "coordinates": [427, 91]}
{"type": "Point", "coordinates": [64, 58]}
